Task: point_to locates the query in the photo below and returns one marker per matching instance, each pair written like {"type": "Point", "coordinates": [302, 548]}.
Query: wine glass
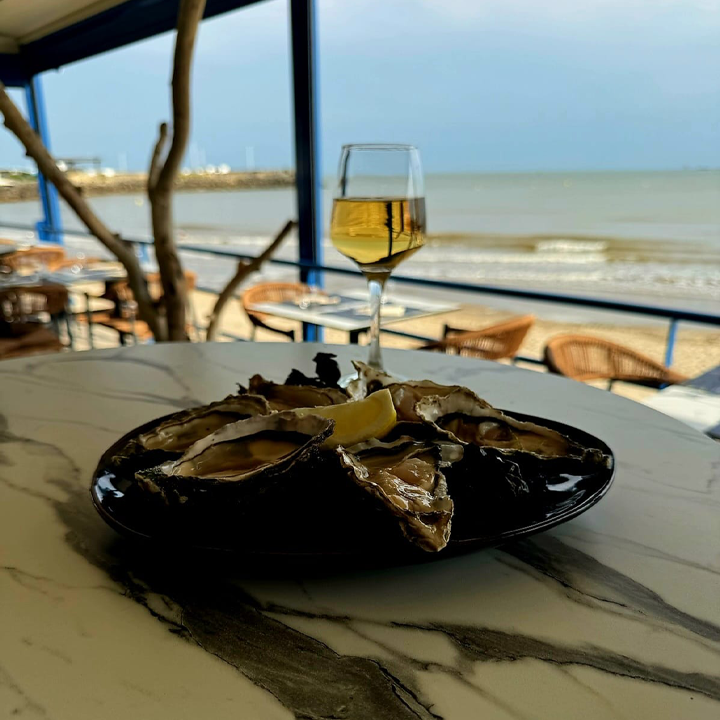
{"type": "Point", "coordinates": [378, 217]}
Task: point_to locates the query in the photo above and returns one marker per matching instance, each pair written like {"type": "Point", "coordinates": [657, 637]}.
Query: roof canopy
{"type": "Point", "coordinates": [39, 35]}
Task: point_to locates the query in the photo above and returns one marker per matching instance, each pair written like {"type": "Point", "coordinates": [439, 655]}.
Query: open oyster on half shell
{"type": "Point", "coordinates": [281, 396]}
{"type": "Point", "coordinates": [173, 435]}
{"type": "Point", "coordinates": [463, 417]}
{"type": "Point", "coordinates": [405, 393]}
{"type": "Point", "coordinates": [246, 456]}
{"type": "Point", "coordinates": [179, 431]}
{"type": "Point", "coordinates": [406, 478]}
{"type": "Point", "coordinates": [498, 443]}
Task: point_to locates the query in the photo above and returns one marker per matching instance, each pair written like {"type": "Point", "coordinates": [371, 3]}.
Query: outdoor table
{"type": "Point", "coordinates": [614, 614]}
{"type": "Point", "coordinates": [83, 287]}
{"type": "Point", "coordinates": [695, 402]}
{"type": "Point", "coordinates": [97, 274]}
{"type": "Point", "coordinates": [86, 285]}
{"type": "Point", "coordinates": [74, 281]}
{"type": "Point", "coordinates": [351, 312]}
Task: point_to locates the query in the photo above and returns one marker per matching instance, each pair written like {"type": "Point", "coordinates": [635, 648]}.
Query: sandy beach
{"type": "Point", "coordinates": [696, 351]}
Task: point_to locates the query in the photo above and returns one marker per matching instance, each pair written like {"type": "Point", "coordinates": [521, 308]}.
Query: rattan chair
{"type": "Point", "coordinates": [271, 292]}
{"type": "Point", "coordinates": [123, 318]}
{"type": "Point", "coordinates": [48, 256]}
{"type": "Point", "coordinates": [584, 357]}
{"type": "Point", "coordinates": [27, 314]}
{"type": "Point", "coordinates": [491, 343]}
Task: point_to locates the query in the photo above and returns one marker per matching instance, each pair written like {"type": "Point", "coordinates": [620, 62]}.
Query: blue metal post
{"type": "Point", "coordinates": [49, 229]}
{"type": "Point", "coordinates": [670, 345]}
{"type": "Point", "coordinates": [307, 151]}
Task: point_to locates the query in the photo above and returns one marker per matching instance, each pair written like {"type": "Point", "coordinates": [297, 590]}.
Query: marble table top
{"type": "Point", "coordinates": [696, 407]}
{"type": "Point", "coordinates": [615, 614]}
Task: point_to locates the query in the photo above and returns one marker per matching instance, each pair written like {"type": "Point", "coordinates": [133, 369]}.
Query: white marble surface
{"type": "Point", "coordinates": [695, 407]}
{"type": "Point", "coordinates": [615, 614]}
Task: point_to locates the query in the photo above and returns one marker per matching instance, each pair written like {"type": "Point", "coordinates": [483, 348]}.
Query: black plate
{"type": "Point", "coordinates": [136, 515]}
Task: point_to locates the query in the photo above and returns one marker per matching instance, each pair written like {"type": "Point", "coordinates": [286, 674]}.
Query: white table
{"type": "Point", "coordinates": [351, 313]}
{"type": "Point", "coordinates": [614, 615]}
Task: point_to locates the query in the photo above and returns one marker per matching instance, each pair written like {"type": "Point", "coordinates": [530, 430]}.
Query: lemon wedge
{"type": "Point", "coordinates": [358, 421]}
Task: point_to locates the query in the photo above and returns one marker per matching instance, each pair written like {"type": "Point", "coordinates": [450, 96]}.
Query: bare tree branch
{"type": "Point", "coordinates": [189, 16]}
{"type": "Point", "coordinates": [190, 13]}
{"type": "Point", "coordinates": [123, 251]}
{"type": "Point", "coordinates": [244, 269]}
{"type": "Point", "coordinates": [155, 160]}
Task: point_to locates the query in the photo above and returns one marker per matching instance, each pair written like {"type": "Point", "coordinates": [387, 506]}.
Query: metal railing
{"type": "Point", "coordinates": [673, 315]}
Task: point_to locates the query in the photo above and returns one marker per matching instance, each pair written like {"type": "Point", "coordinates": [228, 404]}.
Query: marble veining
{"type": "Point", "coordinates": [613, 615]}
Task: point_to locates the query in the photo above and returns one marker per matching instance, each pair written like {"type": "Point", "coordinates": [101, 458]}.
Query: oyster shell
{"type": "Point", "coordinates": [178, 432]}
{"type": "Point", "coordinates": [508, 464]}
{"type": "Point", "coordinates": [289, 397]}
{"type": "Point", "coordinates": [465, 418]}
{"type": "Point", "coordinates": [406, 477]}
{"type": "Point", "coordinates": [249, 454]}
{"type": "Point", "coordinates": [368, 381]}
{"type": "Point", "coordinates": [541, 453]}
{"type": "Point", "coordinates": [405, 394]}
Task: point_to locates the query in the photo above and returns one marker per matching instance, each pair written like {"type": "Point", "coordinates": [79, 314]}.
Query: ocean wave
{"type": "Point", "coordinates": [431, 256]}
{"type": "Point", "coordinates": [677, 274]}
{"type": "Point", "coordinates": [696, 282]}
{"type": "Point", "coordinates": [571, 246]}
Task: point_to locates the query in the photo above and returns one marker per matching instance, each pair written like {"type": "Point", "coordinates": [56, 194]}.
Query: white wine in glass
{"type": "Point", "coordinates": [378, 217]}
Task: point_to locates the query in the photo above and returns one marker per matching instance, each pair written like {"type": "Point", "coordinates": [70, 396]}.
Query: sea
{"type": "Point", "coordinates": [642, 237]}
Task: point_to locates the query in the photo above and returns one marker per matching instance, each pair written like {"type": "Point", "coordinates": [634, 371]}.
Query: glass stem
{"type": "Point", "coordinates": [376, 285]}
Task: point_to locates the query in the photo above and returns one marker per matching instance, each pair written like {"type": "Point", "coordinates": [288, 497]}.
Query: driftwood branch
{"type": "Point", "coordinates": [244, 269]}
{"type": "Point", "coordinates": [162, 179]}
{"type": "Point", "coordinates": [123, 251]}
{"type": "Point", "coordinates": [155, 160]}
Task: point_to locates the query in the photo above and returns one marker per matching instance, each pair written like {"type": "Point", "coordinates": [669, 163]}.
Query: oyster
{"type": "Point", "coordinates": [250, 453]}
{"type": "Point", "coordinates": [289, 397]}
{"type": "Point", "coordinates": [508, 464]}
{"type": "Point", "coordinates": [406, 477]}
{"type": "Point", "coordinates": [405, 394]}
{"type": "Point", "coordinates": [541, 453]}
{"type": "Point", "coordinates": [368, 380]}
{"type": "Point", "coordinates": [465, 418]}
{"type": "Point", "coordinates": [178, 432]}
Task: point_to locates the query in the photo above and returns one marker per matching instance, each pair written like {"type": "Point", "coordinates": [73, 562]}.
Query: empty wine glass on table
{"type": "Point", "coordinates": [378, 217]}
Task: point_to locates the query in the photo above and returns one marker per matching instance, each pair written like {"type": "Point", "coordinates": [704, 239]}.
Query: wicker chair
{"type": "Point", "coordinates": [584, 357]}
{"type": "Point", "coordinates": [491, 343]}
{"type": "Point", "coordinates": [271, 292]}
{"type": "Point", "coordinates": [123, 319]}
{"type": "Point", "coordinates": [49, 256]}
{"type": "Point", "coordinates": [25, 312]}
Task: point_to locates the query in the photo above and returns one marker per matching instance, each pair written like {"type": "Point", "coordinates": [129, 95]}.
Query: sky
{"type": "Point", "coordinates": [477, 85]}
